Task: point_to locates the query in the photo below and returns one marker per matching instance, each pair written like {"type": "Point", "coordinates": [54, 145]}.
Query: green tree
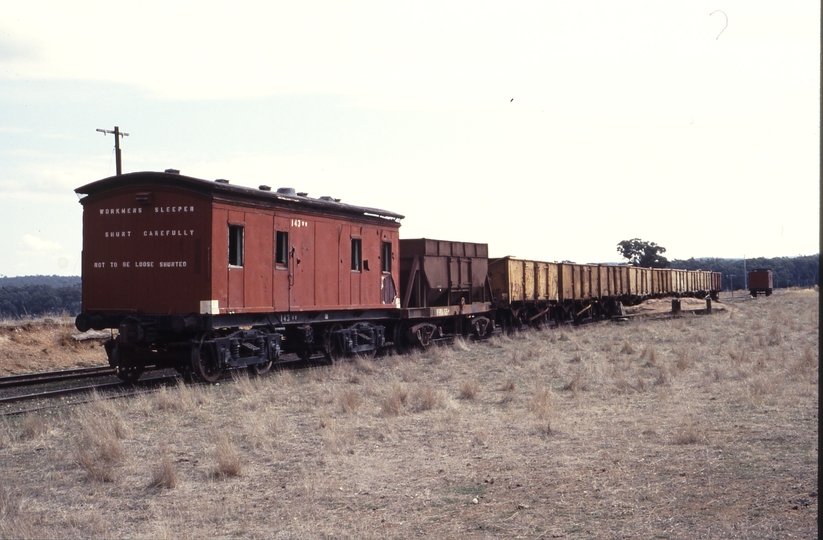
{"type": "Point", "coordinates": [642, 253]}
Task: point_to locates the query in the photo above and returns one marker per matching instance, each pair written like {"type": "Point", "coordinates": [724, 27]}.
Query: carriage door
{"type": "Point", "coordinates": [282, 277]}
{"type": "Point", "coordinates": [236, 259]}
{"type": "Point", "coordinates": [301, 264]}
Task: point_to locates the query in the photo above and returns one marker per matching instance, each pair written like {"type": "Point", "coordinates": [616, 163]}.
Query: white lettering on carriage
{"type": "Point", "coordinates": [141, 264]}
{"type": "Point", "coordinates": [118, 211]}
{"type": "Point", "coordinates": [169, 232]}
{"type": "Point", "coordinates": [172, 209]}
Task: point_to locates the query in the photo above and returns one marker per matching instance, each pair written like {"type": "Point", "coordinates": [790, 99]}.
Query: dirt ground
{"type": "Point", "coordinates": [696, 427]}
{"type": "Point", "coordinates": [30, 346]}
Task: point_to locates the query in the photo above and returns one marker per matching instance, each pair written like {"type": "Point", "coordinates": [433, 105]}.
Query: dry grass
{"type": "Point", "coordinates": [350, 400]}
{"type": "Point", "coordinates": [164, 475]}
{"type": "Point", "coordinates": [577, 384]}
{"type": "Point", "coordinates": [98, 446]}
{"type": "Point", "coordinates": [6, 436]}
{"type": "Point", "coordinates": [689, 433]}
{"type": "Point", "coordinates": [228, 459]}
{"type": "Point", "coordinates": [427, 398]}
{"type": "Point", "coordinates": [394, 402]}
{"type": "Point", "coordinates": [695, 427]}
{"type": "Point", "coordinates": [468, 389]}
{"type": "Point", "coordinates": [34, 425]}
{"type": "Point", "coordinates": [627, 347]}
{"type": "Point", "coordinates": [541, 406]}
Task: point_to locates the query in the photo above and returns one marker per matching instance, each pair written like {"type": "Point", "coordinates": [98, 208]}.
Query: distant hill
{"type": "Point", "coordinates": [53, 281]}
{"type": "Point", "coordinates": [39, 295]}
{"type": "Point", "coordinates": [801, 271]}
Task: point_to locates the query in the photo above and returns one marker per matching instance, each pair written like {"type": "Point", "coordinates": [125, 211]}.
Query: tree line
{"type": "Point", "coordinates": [801, 271]}
{"type": "Point", "coordinates": [39, 299]}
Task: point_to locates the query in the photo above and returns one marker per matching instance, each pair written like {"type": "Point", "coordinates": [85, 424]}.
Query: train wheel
{"type": "Point", "coordinates": [368, 355]}
{"type": "Point", "coordinates": [127, 373]}
{"type": "Point", "coordinates": [203, 366]}
{"type": "Point", "coordinates": [185, 371]}
{"type": "Point", "coordinates": [401, 345]}
{"type": "Point", "coordinates": [130, 374]}
{"type": "Point", "coordinates": [482, 327]}
{"type": "Point", "coordinates": [522, 320]}
{"type": "Point", "coordinates": [332, 347]}
{"type": "Point", "coordinates": [508, 323]}
{"type": "Point", "coordinates": [425, 334]}
{"type": "Point", "coordinates": [260, 369]}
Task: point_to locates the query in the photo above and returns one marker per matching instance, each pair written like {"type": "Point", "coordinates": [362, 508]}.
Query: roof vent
{"type": "Point", "coordinates": [264, 187]}
{"type": "Point", "coordinates": [172, 171]}
{"type": "Point", "coordinates": [330, 199]}
{"type": "Point", "coordinates": [286, 191]}
{"type": "Point", "coordinates": [222, 181]}
{"type": "Point", "coordinates": [302, 194]}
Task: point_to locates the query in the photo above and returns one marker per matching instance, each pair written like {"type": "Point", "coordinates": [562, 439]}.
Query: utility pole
{"type": "Point", "coordinates": [117, 134]}
{"type": "Point", "coordinates": [745, 275]}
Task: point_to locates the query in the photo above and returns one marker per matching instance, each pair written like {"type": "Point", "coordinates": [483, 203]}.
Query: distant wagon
{"type": "Point", "coordinates": [760, 281]}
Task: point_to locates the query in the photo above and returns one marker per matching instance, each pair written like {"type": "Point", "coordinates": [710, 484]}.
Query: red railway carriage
{"type": "Point", "coordinates": [232, 273]}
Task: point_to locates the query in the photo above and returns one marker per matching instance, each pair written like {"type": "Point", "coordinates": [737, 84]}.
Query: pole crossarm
{"type": "Point", "coordinates": [116, 132]}
{"type": "Point", "coordinates": [117, 135]}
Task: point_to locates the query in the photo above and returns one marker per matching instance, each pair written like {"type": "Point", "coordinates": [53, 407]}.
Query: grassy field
{"type": "Point", "coordinates": [698, 427]}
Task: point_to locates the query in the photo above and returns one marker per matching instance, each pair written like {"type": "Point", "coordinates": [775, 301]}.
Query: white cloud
{"type": "Point", "coordinates": [437, 53]}
{"type": "Point", "coordinates": [29, 243]}
{"type": "Point", "coordinates": [35, 255]}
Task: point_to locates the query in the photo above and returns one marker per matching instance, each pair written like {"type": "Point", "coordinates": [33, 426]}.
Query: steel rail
{"type": "Point", "coordinates": [53, 376]}
{"type": "Point", "coordinates": [78, 402]}
{"type": "Point", "coordinates": [58, 393]}
{"type": "Point", "coordinates": [48, 394]}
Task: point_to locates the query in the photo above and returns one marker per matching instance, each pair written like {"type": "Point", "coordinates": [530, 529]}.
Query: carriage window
{"type": "Point", "coordinates": [386, 259]}
{"type": "Point", "coordinates": [235, 245]}
{"type": "Point", "coordinates": [356, 254]}
{"type": "Point", "coordinates": [282, 249]}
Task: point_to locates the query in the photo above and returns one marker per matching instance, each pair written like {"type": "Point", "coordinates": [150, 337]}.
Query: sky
{"type": "Point", "coordinates": [549, 130]}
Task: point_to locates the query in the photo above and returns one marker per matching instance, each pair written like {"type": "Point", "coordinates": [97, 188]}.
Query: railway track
{"type": "Point", "coordinates": [106, 390]}
{"type": "Point", "coordinates": [61, 392]}
{"type": "Point", "coordinates": [27, 379]}
{"type": "Point", "coordinates": [45, 394]}
{"type": "Point", "coordinates": [44, 387]}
